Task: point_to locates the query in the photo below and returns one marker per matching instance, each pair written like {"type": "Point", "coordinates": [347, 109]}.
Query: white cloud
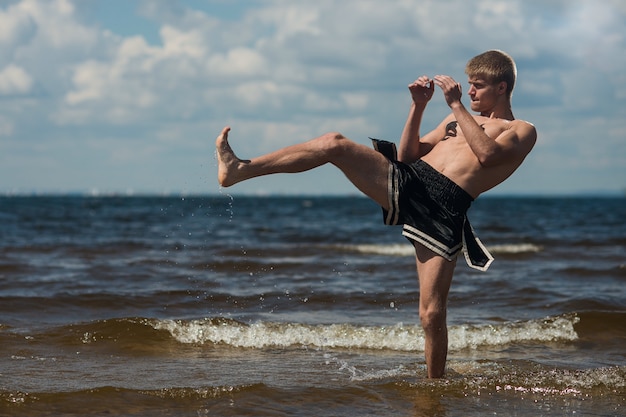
{"type": "Point", "coordinates": [237, 62]}
{"type": "Point", "coordinates": [56, 23]}
{"type": "Point", "coordinates": [183, 43]}
{"type": "Point", "coordinates": [16, 26]}
{"type": "Point", "coordinates": [283, 71]}
{"type": "Point", "coordinates": [14, 80]}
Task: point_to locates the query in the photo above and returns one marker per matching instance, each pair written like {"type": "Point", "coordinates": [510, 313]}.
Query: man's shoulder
{"type": "Point", "coordinates": [524, 123]}
{"type": "Point", "coordinates": [524, 128]}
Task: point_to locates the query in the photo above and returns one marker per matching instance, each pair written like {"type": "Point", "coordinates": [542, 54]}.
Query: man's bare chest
{"type": "Point", "coordinates": [492, 128]}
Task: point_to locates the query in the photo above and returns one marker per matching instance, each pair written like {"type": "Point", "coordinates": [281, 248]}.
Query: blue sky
{"type": "Point", "coordinates": [123, 96]}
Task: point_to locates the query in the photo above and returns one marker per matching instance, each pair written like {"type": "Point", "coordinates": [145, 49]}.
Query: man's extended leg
{"type": "Point", "coordinates": [366, 168]}
{"type": "Point", "coordinates": [435, 276]}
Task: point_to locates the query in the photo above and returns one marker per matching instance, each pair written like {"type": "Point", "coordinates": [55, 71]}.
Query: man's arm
{"type": "Point", "coordinates": [411, 147]}
{"type": "Point", "coordinates": [513, 143]}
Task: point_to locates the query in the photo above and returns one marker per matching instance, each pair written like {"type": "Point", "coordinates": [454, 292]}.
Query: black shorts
{"type": "Point", "coordinates": [431, 208]}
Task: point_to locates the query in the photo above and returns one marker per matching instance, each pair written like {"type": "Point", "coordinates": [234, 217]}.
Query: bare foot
{"type": "Point", "coordinates": [227, 161]}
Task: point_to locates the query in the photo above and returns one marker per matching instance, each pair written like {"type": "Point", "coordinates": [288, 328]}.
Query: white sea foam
{"type": "Point", "coordinates": [546, 330]}
{"type": "Point", "coordinates": [514, 248]}
{"type": "Point", "coordinates": [407, 250]}
{"type": "Point", "coordinates": [389, 250]}
{"type": "Point", "coordinates": [398, 337]}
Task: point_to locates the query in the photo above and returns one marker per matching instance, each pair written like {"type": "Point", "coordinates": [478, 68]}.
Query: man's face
{"type": "Point", "coordinates": [482, 93]}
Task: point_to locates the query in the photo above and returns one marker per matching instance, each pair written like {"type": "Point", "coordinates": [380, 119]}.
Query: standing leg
{"type": "Point", "coordinates": [366, 168]}
{"type": "Point", "coordinates": [435, 276]}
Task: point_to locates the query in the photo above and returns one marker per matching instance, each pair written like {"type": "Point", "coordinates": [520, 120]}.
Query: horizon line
{"type": "Point", "coordinates": [186, 194]}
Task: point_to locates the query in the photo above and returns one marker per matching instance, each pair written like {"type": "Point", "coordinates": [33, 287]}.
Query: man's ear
{"type": "Point", "coordinates": [502, 87]}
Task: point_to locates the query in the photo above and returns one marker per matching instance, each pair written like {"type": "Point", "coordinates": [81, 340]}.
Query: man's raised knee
{"type": "Point", "coordinates": [333, 136]}
{"type": "Point", "coordinates": [334, 142]}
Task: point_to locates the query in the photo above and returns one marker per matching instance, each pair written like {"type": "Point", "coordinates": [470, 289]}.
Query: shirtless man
{"type": "Point", "coordinates": [428, 185]}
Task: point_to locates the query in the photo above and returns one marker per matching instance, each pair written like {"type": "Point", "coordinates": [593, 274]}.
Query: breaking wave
{"type": "Point", "coordinates": [399, 337]}
{"type": "Point", "coordinates": [407, 250]}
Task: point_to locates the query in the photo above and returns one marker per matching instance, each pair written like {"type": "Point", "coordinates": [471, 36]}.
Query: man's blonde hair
{"type": "Point", "coordinates": [495, 66]}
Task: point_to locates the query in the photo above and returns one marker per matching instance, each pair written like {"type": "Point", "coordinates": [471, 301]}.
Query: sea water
{"type": "Point", "coordinates": [303, 306]}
